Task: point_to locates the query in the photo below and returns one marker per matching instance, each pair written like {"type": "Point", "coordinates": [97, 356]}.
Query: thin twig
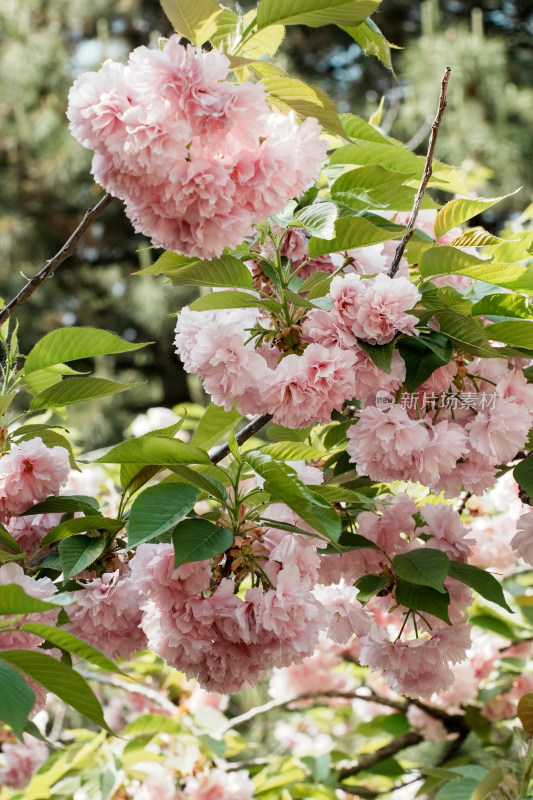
{"type": "Point", "coordinates": [255, 425]}
{"type": "Point", "coordinates": [67, 250]}
{"type": "Point", "coordinates": [461, 505]}
{"type": "Point", "coordinates": [370, 759]}
{"type": "Point", "coordinates": [428, 170]}
{"type": "Point", "coordinates": [132, 688]}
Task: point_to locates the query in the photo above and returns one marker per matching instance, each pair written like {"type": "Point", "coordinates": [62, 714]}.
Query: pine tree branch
{"type": "Point", "coordinates": [48, 270]}
{"type": "Point", "coordinates": [428, 170]}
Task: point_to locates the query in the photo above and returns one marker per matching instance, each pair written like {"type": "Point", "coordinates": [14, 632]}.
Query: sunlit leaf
{"type": "Point", "coordinates": [196, 20]}
{"type": "Point", "coordinates": [69, 344]}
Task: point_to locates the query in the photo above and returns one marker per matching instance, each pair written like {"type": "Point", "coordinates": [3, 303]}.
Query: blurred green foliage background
{"type": "Point", "coordinates": [46, 183]}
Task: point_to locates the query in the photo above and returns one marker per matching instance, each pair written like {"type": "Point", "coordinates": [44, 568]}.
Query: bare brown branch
{"type": "Point", "coordinates": [247, 432]}
{"type": "Point", "coordinates": [67, 250]}
{"type": "Point", "coordinates": [370, 759]}
{"type": "Point", "coordinates": [428, 170]}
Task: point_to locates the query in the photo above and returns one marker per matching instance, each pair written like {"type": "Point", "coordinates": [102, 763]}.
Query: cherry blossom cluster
{"type": "Point", "coordinates": [300, 389]}
{"type": "Point", "coordinates": [196, 159]}
{"type": "Point", "coordinates": [448, 445]}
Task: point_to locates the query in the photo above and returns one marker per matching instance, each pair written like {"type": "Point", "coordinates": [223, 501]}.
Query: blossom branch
{"type": "Point", "coordinates": [133, 688]}
{"type": "Point", "coordinates": [247, 432]}
{"type": "Point", "coordinates": [428, 170]}
{"type": "Point", "coordinates": [67, 250]}
{"type": "Point", "coordinates": [370, 759]}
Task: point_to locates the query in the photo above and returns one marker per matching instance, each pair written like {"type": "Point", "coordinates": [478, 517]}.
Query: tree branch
{"type": "Point", "coordinates": [67, 250]}
{"type": "Point", "coordinates": [133, 688]}
{"type": "Point", "coordinates": [425, 177]}
{"type": "Point", "coordinates": [248, 431]}
{"type": "Point", "coordinates": [369, 759]}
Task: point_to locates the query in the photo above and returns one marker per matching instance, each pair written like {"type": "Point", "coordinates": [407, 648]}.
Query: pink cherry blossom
{"type": "Point", "coordinates": [446, 530]}
{"type": "Point", "coordinates": [19, 761]}
{"type": "Point", "coordinates": [374, 309]}
{"type": "Point", "coordinates": [29, 531]}
{"type": "Point", "coordinates": [107, 615]}
{"type": "Point", "coordinates": [29, 473]}
{"type": "Point", "coordinates": [499, 434]}
{"type": "Point", "coordinates": [157, 788]}
{"type": "Point", "coordinates": [418, 667]}
{"type": "Point", "coordinates": [218, 785]}
{"type": "Point", "coordinates": [522, 542]}
{"type": "Point", "coordinates": [309, 387]}
{"type": "Point", "coordinates": [41, 588]}
{"type": "Point", "coordinates": [197, 159]}
{"type": "Point", "coordinates": [387, 445]}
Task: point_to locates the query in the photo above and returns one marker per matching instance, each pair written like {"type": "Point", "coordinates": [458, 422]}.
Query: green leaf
{"type": "Point", "coordinates": [503, 305]}
{"type": "Point", "coordinates": [455, 212]}
{"type": "Point", "coordinates": [370, 585]}
{"type": "Point", "coordinates": [385, 153]}
{"type": "Point", "coordinates": [214, 425]}
{"type": "Point", "coordinates": [525, 712]}
{"type": "Point", "coordinates": [423, 355]}
{"type": "Point", "coordinates": [266, 41]}
{"type": "Point", "coordinates": [318, 219]}
{"type": "Point", "coordinates": [68, 504]}
{"type": "Point", "coordinates": [371, 41]}
{"type": "Point", "coordinates": [69, 344]}
{"type": "Point", "coordinates": [67, 641]}
{"type": "Point", "coordinates": [489, 622]}
{"type": "Point", "coordinates": [466, 334]}
{"type": "Point", "coordinates": [475, 237]}
{"type": "Point", "coordinates": [231, 299]}
{"type": "Point", "coordinates": [481, 581]}
{"type": "Point", "coordinates": [368, 178]}
{"type": "Point", "coordinates": [446, 260]}
{"type": "Point", "coordinates": [516, 332]}
{"type": "Point", "coordinates": [355, 541]}
{"type": "Point", "coordinates": [286, 93]}
{"type": "Point", "coordinates": [14, 600]}
{"type": "Point", "coordinates": [314, 13]}
{"type": "Point", "coordinates": [489, 784]}
{"type": "Point", "coordinates": [351, 232]}
{"type": "Point", "coordinates": [36, 382]}
{"type": "Point", "coordinates": [380, 354]}
{"type": "Point", "coordinates": [7, 541]}
{"type": "Point", "coordinates": [196, 20]}
{"type": "Point", "coordinates": [285, 486]}
{"type": "Point", "coordinates": [198, 539]}
{"type": "Point", "coordinates": [358, 128]}
{"type": "Point", "coordinates": [425, 599]}
{"type": "Point", "coordinates": [79, 552]}
{"type": "Point", "coordinates": [132, 478]}
{"type": "Point", "coordinates": [205, 483]}
{"type": "Point", "coordinates": [293, 451]}
{"type": "Point", "coordinates": [278, 433]}
{"type": "Point", "coordinates": [183, 271]}
{"type": "Point", "coordinates": [523, 475]}
{"type": "Point", "coordinates": [59, 679]}
{"type": "Point", "coordinates": [70, 527]}
{"type": "Point", "coordinates": [157, 450]}
{"type": "Point", "coordinates": [77, 390]}
{"type": "Point", "coordinates": [16, 699]}
{"type": "Point", "coordinates": [425, 567]}
{"type": "Point", "coordinates": [153, 723]}
{"type": "Point", "coordinates": [158, 509]}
